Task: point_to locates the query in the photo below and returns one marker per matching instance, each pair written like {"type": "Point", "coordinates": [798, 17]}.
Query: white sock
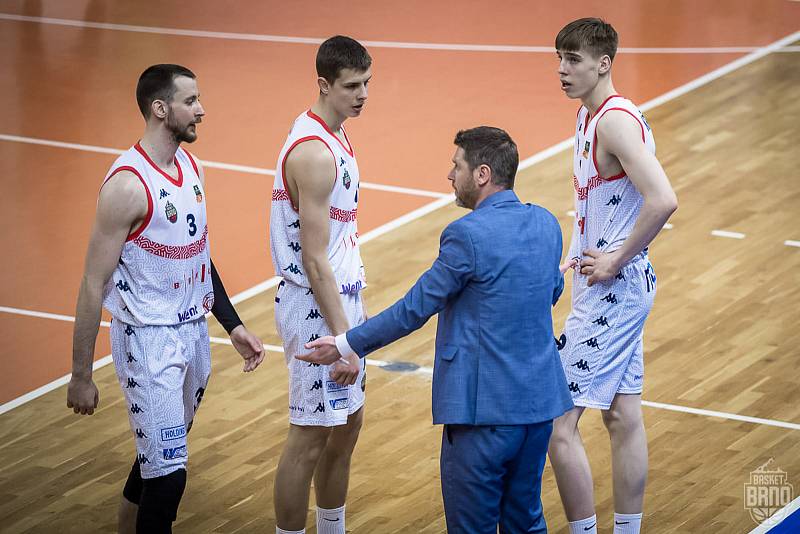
{"type": "Point", "coordinates": [627, 523]}
{"type": "Point", "coordinates": [584, 526]}
{"type": "Point", "coordinates": [330, 521]}
{"type": "Point", "coordinates": [279, 530]}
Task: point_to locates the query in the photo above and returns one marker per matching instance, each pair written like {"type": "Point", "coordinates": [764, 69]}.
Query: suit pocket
{"type": "Point", "coordinates": [447, 352]}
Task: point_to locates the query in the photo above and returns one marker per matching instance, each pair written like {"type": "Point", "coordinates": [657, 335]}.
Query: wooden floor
{"type": "Point", "coordinates": [723, 336]}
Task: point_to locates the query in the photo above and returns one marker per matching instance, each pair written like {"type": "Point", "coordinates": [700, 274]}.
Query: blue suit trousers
{"type": "Point", "coordinates": [492, 476]}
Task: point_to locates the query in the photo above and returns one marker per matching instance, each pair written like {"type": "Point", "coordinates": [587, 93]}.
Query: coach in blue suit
{"type": "Point", "coordinates": [497, 379]}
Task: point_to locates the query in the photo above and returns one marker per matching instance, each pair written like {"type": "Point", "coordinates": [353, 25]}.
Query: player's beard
{"type": "Point", "coordinates": [180, 134]}
{"type": "Point", "coordinates": [466, 195]}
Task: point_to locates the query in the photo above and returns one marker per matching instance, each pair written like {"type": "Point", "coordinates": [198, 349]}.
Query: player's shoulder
{"type": "Point", "coordinates": [312, 151]}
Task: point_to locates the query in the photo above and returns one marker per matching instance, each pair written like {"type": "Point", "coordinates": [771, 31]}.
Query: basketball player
{"type": "Point", "coordinates": [148, 263]}
{"type": "Point", "coordinates": [622, 200]}
{"type": "Point", "coordinates": [314, 243]}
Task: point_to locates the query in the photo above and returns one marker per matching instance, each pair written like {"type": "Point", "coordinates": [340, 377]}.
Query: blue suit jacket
{"type": "Point", "coordinates": [493, 285]}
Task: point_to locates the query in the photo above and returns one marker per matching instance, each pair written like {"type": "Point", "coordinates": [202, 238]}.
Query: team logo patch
{"type": "Point", "coordinates": [585, 153]}
{"type": "Point", "coordinates": [208, 301]}
{"type": "Point", "coordinates": [198, 194]}
{"type": "Point", "coordinates": [171, 212]}
{"type": "Point", "coordinates": [346, 179]}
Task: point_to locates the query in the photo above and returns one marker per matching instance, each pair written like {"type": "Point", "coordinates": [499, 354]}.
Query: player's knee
{"type": "Point", "coordinates": [158, 506]}
{"type": "Point", "coordinates": [619, 421]}
{"type": "Point", "coordinates": [564, 433]}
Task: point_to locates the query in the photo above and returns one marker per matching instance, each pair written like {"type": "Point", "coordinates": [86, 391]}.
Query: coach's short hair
{"type": "Point", "coordinates": [158, 83]}
{"type": "Point", "coordinates": [486, 145]}
{"type": "Point", "coordinates": [341, 52]}
{"type": "Point", "coordinates": [593, 34]}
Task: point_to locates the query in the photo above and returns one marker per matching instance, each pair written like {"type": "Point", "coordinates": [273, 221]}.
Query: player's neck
{"type": "Point", "coordinates": [160, 145]}
{"type": "Point", "coordinates": [329, 116]}
{"type": "Point", "coordinates": [599, 94]}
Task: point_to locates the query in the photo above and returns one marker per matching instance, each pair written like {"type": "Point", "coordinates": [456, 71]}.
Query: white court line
{"type": "Point", "coordinates": [789, 242]}
{"type": "Point", "coordinates": [721, 415]}
{"type": "Point", "coordinates": [459, 47]}
{"type": "Point", "coordinates": [213, 164]}
{"type": "Point", "coordinates": [785, 512]}
{"type": "Point", "coordinates": [725, 233]}
{"type": "Point", "coordinates": [377, 363]}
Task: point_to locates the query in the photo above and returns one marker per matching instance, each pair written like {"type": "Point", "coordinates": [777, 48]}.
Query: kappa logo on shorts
{"type": "Point", "coordinates": [135, 409]}
{"type": "Point", "coordinates": [312, 364]}
{"type": "Point", "coordinates": [294, 246]}
{"type": "Point", "coordinates": [132, 384]}
{"type": "Point", "coordinates": [313, 337]}
{"type": "Point", "coordinates": [129, 331]}
{"type": "Point", "coordinates": [294, 269]}
{"type": "Point", "coordinates": [620, 276]}
{"type": "Point", "coordinates": [338, 404]}
{"type": "Point", "coordinates": [320, 408]}
{"type": "Point", "coordinates": [591, 342]}
{"type": "Point", "coordinates": [142, 459]}
{"type": "Point", "coordinates": [573, 387]}
{"type": "Point", "coordinates": [601, 242]}
{"type": "Point", "coordinates": [295, 224]}
{"type": "Point", "coordinates": [602, 321]}
{"type": "Point", "coordinates": [331, 386]}
{"type": "Point", "coordinates": [140, 433]}
{"type": "Point", "coordinates": [173, 432]}
{"type": "Point", "coordinates": [316, 385]}
{"type": "Point", "coordinates": [309, 291]}
{"type": "Point", "coordinates": [611, 298]}
{"type": "Point", "coordinates": [170, 453]}
{"type": "Point", "coordinates": [314, 314]}
{"type": "Point", "coordinates": [561, 342]}
{"type": "Point", "coordinates": [123, 286]}
{"type": "Point", "coordinates": [131, 359]}
{"type": "Point", "coordinates": [581, 364]}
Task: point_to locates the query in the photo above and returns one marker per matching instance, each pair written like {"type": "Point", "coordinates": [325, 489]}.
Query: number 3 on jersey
{"type": "Point", "coordinates": [192, 226]}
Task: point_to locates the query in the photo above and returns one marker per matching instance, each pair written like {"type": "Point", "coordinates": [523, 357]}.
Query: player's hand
{"type": "Point", "coordinates": [599, 266]}
{"type": "Point", "coordinates": [325, 351]}
{"type": "Point", "coordinates": [248, 346]}
{"type": "Point", "coordinates": [82, 395]}
{"type": "Point", "coordinates": [345, 371]}
{"type": "Point", "coordinates": [567, 265]}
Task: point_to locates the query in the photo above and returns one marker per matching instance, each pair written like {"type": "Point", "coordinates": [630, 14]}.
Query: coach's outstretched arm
{"type": "Point", "coordinates": [121, 208]}
{"type": "Point", "coordinates": [447, 276]}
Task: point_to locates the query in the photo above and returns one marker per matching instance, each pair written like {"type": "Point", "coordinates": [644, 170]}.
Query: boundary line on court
{"type": "Point", "coordinates": [787, 510]}
{"type": "Point", "coordinates": [211, 164]}
{"type": "Point", "coordinates": [455, 47]}
{"type": "Point", "coordinates": [424, 370]}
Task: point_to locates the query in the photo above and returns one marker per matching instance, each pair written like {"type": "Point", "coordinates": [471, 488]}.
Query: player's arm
{"type": "Point", "coordinates": [246, 344]}
{"type": "Point", "coordinates": [312, 169]}
{"type": "Point", "coordinates": [621, 135]}
{"type": "Point", "coordinates": [121, 207]}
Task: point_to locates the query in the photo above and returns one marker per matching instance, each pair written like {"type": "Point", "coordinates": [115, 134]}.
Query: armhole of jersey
{"type": "Point", "coordinates": [146, 222]}
{"type": "Point", "coordinates": [594, 143]}
{"type": "Point", "coordinates": [289, 151]}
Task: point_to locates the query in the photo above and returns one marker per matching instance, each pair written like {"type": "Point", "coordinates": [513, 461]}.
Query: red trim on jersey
{"type": "Point", "coordinates": [286, 155]}
{"type": "Point", "coordinates": [191, 160]}
{"type": "Point", "coordinates": [173, 252]}
{"type": "Point", "coordinates": [598, 111]}
{"type": "Point", "coordinates": [348, 148]}
{"type": "Point", "coordinates": [341, 215]}
{"type": "Point", "coordinates": [594, 148]}
{"type": "Point", "coordinates": [146, 220]}
{"type": "Point", "coordinates": [172, 180]}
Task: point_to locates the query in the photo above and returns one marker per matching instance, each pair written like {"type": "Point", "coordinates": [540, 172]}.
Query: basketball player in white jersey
{"type": "Point", "coordinates": [622, 200]}
{"type": "Point", "coordinates": [314, 245]}
{"type": "Point", "coordinates": [148, 264]}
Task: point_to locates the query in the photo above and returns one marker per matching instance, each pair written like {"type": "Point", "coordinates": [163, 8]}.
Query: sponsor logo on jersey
{"type": "Point", "coordinates": [188, 314]}
{"type": "Point", "coordinates": [170, 453]}
{"type": "Point", "coordinates": [351, 289]}
{"type": "Point", "coordinates": [338, 404]}
{"type": "Point", "coordinates": [197, 194]}
{"type": "Point", "coordinates": [171, 212]}
{"type": "Point", "coordinates": [208, 301]}
{"type": "Point", "coordinates": [173, 432]}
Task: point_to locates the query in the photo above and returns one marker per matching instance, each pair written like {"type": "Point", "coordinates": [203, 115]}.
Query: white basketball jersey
{"type": "Point", "coordinates": [164, 272]}
{"type": "Point", "coordinates": [606, 207]}
{"type": "Point", "coordinates": [343, 251]}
